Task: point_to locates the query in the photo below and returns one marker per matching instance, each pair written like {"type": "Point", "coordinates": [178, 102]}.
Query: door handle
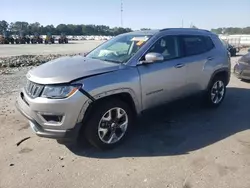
{"type": "Point", "coordinates": [179, 65]}
{"type": "Point", "coordinates": [210, 58]}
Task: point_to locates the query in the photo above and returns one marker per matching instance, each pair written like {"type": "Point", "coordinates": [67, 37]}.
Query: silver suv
{"type": "Point", "coordinates": [97, 95]}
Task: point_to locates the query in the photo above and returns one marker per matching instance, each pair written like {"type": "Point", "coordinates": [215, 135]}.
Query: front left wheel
{"type": "Point", "coordinates": [108, 124]}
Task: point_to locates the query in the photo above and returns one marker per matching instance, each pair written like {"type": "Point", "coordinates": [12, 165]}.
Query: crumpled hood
{"type": "Point", "coordinates": [66, 69]}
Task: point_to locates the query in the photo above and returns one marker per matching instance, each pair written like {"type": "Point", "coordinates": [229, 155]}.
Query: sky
{"type": "Point", "coordinates": [155, 14]}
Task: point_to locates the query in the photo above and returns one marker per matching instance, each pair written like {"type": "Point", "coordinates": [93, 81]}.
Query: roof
{"type": "Point", "coordinates": [145, 32]}
{"type": "Point", "coordinates": [174, 30]}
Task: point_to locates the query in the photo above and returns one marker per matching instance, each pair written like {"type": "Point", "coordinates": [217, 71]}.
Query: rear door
{"type": "Point", "coordinates": [198, 51]}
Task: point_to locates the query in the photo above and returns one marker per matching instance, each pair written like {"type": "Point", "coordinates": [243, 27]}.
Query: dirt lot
{"type": "Point", "coordinates": [44, 49]}
{"type": "Point", "coordinates": [178, 146]}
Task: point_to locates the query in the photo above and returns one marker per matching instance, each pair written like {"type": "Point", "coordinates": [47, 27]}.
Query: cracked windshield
{"type": "Point", "coordinates": [125, 94]}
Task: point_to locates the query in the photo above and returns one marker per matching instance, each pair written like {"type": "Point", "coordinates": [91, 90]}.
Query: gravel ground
{"type": "Point", "coordinates": [178, 146]}
{"type": "Point", "coordinates": [36, 54]}
{"type": "Point", "coordinates": [43, 49]}
{"type": "Point", "coordinates": [29, 60]}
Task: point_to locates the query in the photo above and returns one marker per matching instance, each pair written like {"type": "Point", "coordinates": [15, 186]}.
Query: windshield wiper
{"type": "Point", "coordinates": [108, 60]}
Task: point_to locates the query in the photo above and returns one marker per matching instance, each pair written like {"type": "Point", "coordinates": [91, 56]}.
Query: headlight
{"type": "Point", "coordinates": [59, 92]}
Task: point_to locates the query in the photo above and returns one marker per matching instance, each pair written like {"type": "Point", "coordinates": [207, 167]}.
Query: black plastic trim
{"type": "Point", "coordinates": [87, 94]}
{"type": "Point", "coordinates": [217, 72]}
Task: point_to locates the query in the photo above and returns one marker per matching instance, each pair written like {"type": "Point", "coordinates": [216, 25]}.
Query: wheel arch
{"type": "Point", "coordinates": [125, 95]}
{"type": "Point", "coordinates": [223, 72]}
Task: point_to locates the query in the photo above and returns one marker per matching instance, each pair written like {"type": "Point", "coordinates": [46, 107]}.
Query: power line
{"type": "Point", "coordinates": [121, 13]}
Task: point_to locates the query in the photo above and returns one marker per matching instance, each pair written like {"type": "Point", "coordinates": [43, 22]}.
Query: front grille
{"type": "Point", "coordinates": [33, 89]}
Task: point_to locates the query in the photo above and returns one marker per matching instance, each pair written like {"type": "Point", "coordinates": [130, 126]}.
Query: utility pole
{"type": "Point", "coordinates": [121, 13]}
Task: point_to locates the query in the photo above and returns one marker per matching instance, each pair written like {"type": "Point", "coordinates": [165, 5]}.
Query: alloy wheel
{"type": "Point", "coordinates": [113, 125]}
{"type": "Point", "coordinates": [217, 92]}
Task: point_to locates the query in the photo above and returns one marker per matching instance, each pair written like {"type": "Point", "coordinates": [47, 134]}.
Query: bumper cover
{"type": "Point", "coordinates": [69, 135]}
{"type": "Point", "coordinates": [242, 71]}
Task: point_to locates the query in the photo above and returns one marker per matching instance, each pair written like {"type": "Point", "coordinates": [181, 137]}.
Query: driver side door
{"type": "Point", "coordinates": [163, 81]}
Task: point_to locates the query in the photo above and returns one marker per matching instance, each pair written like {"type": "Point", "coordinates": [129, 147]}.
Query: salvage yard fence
{"type": "Point", "coordinates": [237, 40]}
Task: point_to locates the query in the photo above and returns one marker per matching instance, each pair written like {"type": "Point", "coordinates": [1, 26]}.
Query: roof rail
{"type": "Point", "coordinates": [165, 29]}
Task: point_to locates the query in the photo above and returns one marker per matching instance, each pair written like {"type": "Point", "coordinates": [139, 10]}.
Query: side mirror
{"type": "Point", "coordinates": [153, 57]}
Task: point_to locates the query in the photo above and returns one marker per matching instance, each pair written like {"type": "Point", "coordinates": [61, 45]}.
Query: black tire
{"type": "Point", "coordinates": [91, 129]}
{"type": "Point", "coordinates": [208, 95]}
{"type": "Point", "coordinates": [233, 52]}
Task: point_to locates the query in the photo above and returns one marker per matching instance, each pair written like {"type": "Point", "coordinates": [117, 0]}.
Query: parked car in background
{"type": "Point", "coordinates": [99, 95]}
{"type": "Point", "coordinates": [231, 49]}
{"type": "Point", "coordinates": [242, 68]}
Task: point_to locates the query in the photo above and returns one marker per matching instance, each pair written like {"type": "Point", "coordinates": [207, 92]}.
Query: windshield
{"type": "Point", "coordinates": [119, 49]}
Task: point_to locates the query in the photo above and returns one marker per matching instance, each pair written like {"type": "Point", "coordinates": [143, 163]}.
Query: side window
{"type": "Point", "coordinates": [167, 46]}
{"type": "Point", "coordinates": [209, 43]}
{"type": "Point", "coordinates": [194, 45]}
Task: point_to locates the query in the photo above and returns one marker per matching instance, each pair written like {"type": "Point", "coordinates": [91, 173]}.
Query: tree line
{"type": "Point", "coordinates": [72, 29]}
{"type": "Point", "coordinates": [231, 30]}
{"type": "Point", "coordinates": [68, 29]}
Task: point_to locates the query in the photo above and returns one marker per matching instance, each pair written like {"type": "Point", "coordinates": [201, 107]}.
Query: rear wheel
{"type": "Point", "coordinates": [109, 124]}
{"type": "Point", "coordinates": [216, 92]}
{"type": "Point", "coordinates": [233, 52]}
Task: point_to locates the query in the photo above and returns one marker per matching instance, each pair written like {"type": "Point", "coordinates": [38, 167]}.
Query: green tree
{"type": "Point", "coordinates": [3, 26]}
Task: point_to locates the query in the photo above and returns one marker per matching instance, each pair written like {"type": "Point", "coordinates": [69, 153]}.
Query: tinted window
{"type": "Point", "coordinates": [209, 43]}
{"type": "Point", "coordinates": [194, 45]}
{"type": "Point", "coordinates": [167, 46]}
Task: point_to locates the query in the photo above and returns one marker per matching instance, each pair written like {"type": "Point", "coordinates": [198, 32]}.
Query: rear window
{"type": "Point", "coordinates": [194, 45]}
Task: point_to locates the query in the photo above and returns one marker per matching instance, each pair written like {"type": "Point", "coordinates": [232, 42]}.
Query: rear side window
{"type": "Point", "coordinates": [194, 45]}
{"type": "Point", "coordinates": [209, 43]}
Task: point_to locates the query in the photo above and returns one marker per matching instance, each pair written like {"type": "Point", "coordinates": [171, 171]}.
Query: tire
{"type": "Point", "coordinates": [216, 89]}
{"type": "Point", "coordinates": [233, 52]}
{"type": "Point", "coordinates": [97, 136]}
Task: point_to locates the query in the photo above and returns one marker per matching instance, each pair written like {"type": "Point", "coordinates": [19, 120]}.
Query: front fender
{"type": "Point", "coordinates": [112, 83]}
